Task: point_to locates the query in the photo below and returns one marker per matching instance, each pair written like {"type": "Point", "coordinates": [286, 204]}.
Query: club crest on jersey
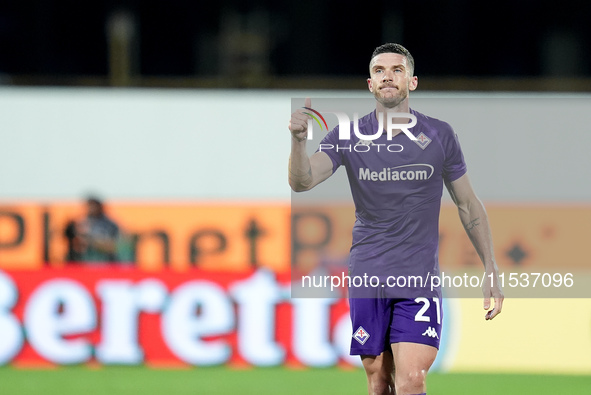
{"type": "Point", "coordinates": [422, 140]}
{"type": "Point", "coordinates": [361, 335]}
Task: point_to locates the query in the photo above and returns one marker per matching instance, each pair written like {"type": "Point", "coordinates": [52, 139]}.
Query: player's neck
{"type": "Point", "coordinates": [402, 107]}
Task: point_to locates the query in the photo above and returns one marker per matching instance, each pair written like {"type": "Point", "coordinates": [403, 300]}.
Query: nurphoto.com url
{"type": "Point", "coordinates": [511, 280]}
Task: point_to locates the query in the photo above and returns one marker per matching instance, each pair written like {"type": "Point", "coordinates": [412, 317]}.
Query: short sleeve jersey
{"type": "Point", "coordinates": [397, 186]}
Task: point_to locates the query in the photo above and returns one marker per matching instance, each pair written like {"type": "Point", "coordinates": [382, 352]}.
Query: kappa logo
{"type": "Point", "coordinates": [364, 142]}
{"type": "Point", "coordinates": [361, 335]}
{"type": "Point", "coordinates": [431, 333]}
{"type": "Point", "coordinates": [422, 140]}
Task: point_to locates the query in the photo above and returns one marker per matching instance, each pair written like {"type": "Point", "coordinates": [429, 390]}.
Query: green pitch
{"type": "Point", "coordinates": [222, 381]}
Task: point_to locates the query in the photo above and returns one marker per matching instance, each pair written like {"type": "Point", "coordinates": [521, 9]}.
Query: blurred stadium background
{"type": "Point", "coordinates": [175, 113]}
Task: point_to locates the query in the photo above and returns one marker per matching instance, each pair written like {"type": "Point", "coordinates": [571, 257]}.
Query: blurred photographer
{"type": "Point", "coordinates": [95, 238]}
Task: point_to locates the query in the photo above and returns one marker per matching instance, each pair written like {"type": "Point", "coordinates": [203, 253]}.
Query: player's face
{"type": "Point", "coordinates": [390, 79]}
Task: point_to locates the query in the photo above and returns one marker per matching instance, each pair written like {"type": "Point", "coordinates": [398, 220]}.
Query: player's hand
{"type": "Point", "coordinates": [492, 289]}
{"type": "Point", "coordinates": [298, 124]}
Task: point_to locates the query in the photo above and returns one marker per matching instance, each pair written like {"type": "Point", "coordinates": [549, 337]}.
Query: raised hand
{"type": "Point", "coordinates": [298, 124]}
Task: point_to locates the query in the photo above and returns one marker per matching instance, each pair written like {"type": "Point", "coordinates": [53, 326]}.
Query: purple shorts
{"type": "Point", "coordinates": [379, 322]}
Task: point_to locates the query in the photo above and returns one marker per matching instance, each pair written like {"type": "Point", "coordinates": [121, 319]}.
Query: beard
{"type": "Point", "coordinates": [390, 98]}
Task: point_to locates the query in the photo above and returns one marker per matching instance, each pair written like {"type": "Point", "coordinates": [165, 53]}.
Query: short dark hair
{"type": "Point", "coordinates": [395, 48]}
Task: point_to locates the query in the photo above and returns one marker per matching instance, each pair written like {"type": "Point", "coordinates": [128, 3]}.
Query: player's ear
{"type": "Point", "coordinates": [369, 84]}
{"type": "Point", "coordinates": [414, 82]}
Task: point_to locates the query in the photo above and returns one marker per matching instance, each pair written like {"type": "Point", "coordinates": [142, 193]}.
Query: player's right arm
{"type": "Point", "coordinates": [305, 172]}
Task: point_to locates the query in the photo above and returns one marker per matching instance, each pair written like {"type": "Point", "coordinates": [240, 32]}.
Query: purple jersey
{"type": "Point", "coordinates": [397, 186]}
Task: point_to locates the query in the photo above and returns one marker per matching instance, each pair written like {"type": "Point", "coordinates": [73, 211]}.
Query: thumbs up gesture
{"type": "Point", "coordinates": [298, 124]}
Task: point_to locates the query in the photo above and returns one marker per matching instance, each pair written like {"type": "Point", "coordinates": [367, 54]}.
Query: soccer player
{"type": "Point", "coordinates": [397, 198]}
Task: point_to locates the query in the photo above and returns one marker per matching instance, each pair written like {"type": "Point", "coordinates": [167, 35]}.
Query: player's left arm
{"type": "Point", "coordinates": [475, 220]}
